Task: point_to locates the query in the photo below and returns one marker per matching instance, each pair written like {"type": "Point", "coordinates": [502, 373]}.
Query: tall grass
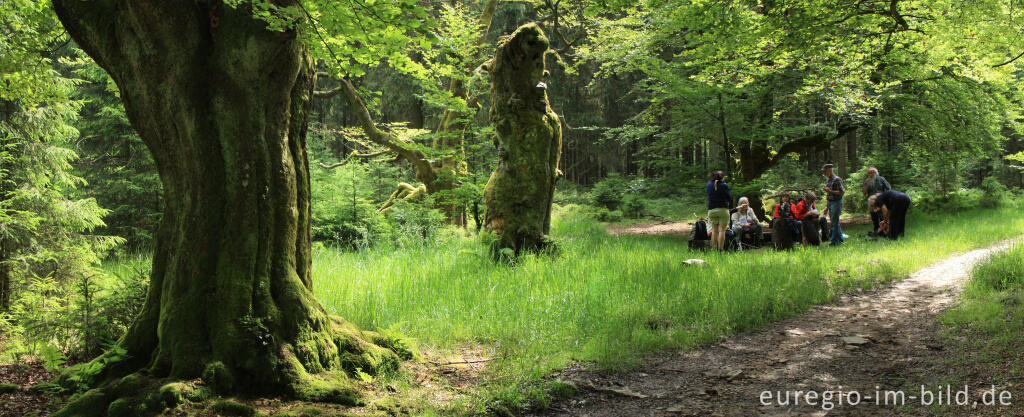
{"type": "Point", "coordinates": [609, 299]}
{"type": "Point", "coordinates": [990, 311]}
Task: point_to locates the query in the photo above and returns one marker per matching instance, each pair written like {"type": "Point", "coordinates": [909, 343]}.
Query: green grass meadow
{"type": "Point", "coordinates": [607, 300]}
{"type": "Point", "coordinates": [987, 326]}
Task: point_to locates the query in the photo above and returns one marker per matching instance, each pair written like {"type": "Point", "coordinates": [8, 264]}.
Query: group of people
{"type": "Point", "coordinates": [802, 219]}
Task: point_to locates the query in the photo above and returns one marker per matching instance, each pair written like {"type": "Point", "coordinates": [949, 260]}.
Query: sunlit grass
{"type": "Point", "coordinates": [608, 299]}
{"type": "Point", "coordinates": [989, 318]}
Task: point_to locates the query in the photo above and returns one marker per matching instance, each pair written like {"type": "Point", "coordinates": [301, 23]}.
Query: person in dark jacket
{"type": "Point", "coordinates": [893, 205]}
{"type": "Point", "coordinates": [875, 184]}
{"type": "Point", "coordinates": [719, 200]}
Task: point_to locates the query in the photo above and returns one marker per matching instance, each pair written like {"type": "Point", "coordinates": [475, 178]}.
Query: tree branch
{"type": "Point", "coordinates": [327, 94]}
{"type": "Point", "coordinates": [1010, 61]}
{"type": "Point", "coordinates": [814, 141]}
{"type": "Point", "coordinates": [424, 171]}
{"type": "Point", "coordinates": [354, 154]}
{"type": "Point", "coordinates": [95, 23]}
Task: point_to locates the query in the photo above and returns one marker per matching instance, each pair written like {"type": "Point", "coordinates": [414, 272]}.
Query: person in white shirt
{"type": "Point", "coordinates": [745, 223]}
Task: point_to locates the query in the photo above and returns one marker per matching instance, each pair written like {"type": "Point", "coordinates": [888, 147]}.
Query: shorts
{"type": "Point", "coordinates": [718, 216]}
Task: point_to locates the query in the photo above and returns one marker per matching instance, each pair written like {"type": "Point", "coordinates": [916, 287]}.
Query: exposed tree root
{"type": "Point", "coordinates": [142, 394]}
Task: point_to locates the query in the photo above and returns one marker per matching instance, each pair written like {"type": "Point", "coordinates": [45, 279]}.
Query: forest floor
{"type": "Point", "coordinates": [675, 228]}
{"type": "Point", "coordinates": [869, 343]}
{"type": "Point", "coordinates": [17, 400]}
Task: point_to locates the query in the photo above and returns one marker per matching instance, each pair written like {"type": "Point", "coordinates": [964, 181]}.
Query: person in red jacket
{"type": "Point", "coordinates": [804, 206]}
{"type": "Point", "coordinates": [785, 208]}
{"type": "Point", "coordinates": [784, 216]}
{"type": "Point", "coordinates": [808, 218]}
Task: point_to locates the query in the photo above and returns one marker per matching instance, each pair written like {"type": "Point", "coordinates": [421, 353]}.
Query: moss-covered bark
{"type": "Point", "coordinates": [529, 140]}
{"type": "Point", "coordinates": [223, 104]}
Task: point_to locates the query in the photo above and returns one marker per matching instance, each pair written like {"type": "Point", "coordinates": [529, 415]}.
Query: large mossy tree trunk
{"type": "Point", "coordinates": [222, 103]}
{"type": "Point", "coordinates": [519, 193]}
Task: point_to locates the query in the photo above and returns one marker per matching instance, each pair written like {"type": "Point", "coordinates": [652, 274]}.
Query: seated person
{"type": "Point", "coordinates": [808, 218]}
{"type": "Point", "coordinates": [806, 206]}
{"type": "Point", "coordinates": [785, 212]}
{"type": "Point", "coordinates": [745, 223]}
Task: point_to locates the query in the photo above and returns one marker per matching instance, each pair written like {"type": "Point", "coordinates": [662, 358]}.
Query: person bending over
{"type": "Point", "coordinates": [875, 184]}
{"type": "Point", "coordinates": [719, 199]}
{"type": "Point", "coordinates": [893, 205]}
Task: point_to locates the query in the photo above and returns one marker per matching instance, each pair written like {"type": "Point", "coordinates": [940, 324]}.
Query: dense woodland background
{"type": "Point", "coordinates": [651, 95]}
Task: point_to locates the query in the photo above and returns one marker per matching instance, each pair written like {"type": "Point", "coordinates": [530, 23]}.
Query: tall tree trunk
{"type": "Point", "coordinates": [529, 140]}
{"type": "Point", "coordinates": [5, 270]}
{"type": "Point", "coordinates": [851, 152]}
{"type": "Point", "coordinates": [727, 156]}
{"type": "Point", "coordinates": [839, 157]}
{"type": "Point", "coordinates": [223, 105]}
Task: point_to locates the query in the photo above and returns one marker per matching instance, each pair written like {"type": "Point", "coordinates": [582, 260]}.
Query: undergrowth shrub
{"type": "Point", "coordinates": [634, 206]}
{"type": "Point", "coordinates": [414, 223]}
{"type": "Point", "coordinates": [54, 321]}
{"type": "Point", "coordinates": [605, 215]}
{"type": "Point", "coordinates": [345, 202]}
{"type": "Point", "coordinates": [997, 194]}
{"type": "Point", "coordinates": [343, 210]}
{"type": "Point", "coordinates": [609, 191]}
{"type": "Point", "coordinates": [937, 202]}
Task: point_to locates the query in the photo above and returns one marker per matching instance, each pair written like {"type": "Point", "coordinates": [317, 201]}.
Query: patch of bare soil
{"type": "Point", "coordinates": [22, 401]}
{"type": "Point", "coordinates": [674, 228]}
{"type": "Point", "coordinates": [852, 351]}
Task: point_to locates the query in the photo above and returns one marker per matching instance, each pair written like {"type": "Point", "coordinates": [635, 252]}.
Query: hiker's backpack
{"type": "Point", "coordinates": [699, 235]}
{"type": "Point", "coordinates": [782, 236]}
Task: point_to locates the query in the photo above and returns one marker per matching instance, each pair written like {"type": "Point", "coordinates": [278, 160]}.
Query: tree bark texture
{"type": "Point", "coordinates": [529, 140]}
{"type": "Point", "coordinates": [223, 104]}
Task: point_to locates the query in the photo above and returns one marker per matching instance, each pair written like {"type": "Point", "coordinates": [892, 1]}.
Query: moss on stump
{"type": "Point", "coordinates": [519, 194]}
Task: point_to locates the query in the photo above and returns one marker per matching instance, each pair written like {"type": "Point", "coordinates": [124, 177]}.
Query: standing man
{"type": "Point", "coordinates": [875, 184]}
{"type": "Point", "coordinates": [834, 195]}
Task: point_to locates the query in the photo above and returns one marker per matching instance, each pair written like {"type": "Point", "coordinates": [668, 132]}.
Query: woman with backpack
{"type": "Point", "coordinates": [719, 200]}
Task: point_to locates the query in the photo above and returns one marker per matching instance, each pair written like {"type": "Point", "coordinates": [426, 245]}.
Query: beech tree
{"type": "Point", "coordinates": [439, 167]}
{"type": "Point", "coordinates": [220, 95]}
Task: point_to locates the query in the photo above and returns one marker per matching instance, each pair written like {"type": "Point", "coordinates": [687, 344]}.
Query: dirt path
{"type": "Point", "coordinates": [884, 339]}
{"type": "Point", "coordinates": [674, 228]}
